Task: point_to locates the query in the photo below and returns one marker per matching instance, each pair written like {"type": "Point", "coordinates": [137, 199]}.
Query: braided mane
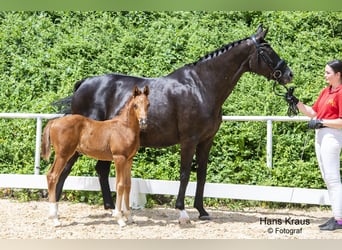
{"type": "Point", "coordinates": [218, 52]}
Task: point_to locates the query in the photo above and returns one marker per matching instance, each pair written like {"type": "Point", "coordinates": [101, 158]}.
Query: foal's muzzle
{"type": "Point", "coordinates": [143, 123]}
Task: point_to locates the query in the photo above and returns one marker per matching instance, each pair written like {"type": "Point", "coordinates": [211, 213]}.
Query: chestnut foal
{"type": "Point", "coordinates": [115, 140]}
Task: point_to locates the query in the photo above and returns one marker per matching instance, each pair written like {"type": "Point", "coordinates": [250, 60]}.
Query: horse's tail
{"type": "Point", "coordinates": [64, 105]}
{"type": "Point", "coordinates": [46, 144]}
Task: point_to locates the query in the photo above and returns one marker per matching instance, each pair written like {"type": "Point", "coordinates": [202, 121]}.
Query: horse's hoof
{"type": "Point", "coordinates": [107, 206]}
{"type": "Point", "coordinates": [184, 221]}
{"type": "Point", "coordinates": [204, 217]}
{"type": "Point", "coordinates": [183, 217]}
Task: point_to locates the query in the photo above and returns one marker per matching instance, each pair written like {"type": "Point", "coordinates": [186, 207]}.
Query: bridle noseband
{"type": "Point", "coordinates": [276, 71]}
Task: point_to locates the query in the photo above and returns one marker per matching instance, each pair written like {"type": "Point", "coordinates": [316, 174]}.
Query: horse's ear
{"type": "Point", "coordinates": [259, 29]}
{"type": "Point", "coordinates": [146, 90]}
{"type": "Point", "coordinates": [261, 34]}
{"type": "Point", "coordinates": [136, 91]}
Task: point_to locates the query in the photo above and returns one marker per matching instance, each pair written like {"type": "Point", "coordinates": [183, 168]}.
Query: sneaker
{"type": "Point", "coordinates": [331, 226]}
{"type": "Point", "coordinates": [327, 222]}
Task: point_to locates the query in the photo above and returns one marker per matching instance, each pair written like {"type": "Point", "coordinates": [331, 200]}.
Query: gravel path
{"type": "Point", "coordinates": [28, 220]}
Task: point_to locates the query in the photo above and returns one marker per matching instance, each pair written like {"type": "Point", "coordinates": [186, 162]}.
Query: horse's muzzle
{"type": "Point", "coordinates": [143, 123]}
{"type": "Point", "coordinates": [286, 77]}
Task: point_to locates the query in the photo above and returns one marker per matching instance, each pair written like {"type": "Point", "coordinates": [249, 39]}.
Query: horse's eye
{"type": "Point", "coordinates": [135, 106]}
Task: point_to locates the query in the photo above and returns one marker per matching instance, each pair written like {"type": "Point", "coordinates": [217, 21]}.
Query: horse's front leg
{"type": "Point", "coordinates": [202, 156]}
{"type": "Point", "coordinates": [187, 153]}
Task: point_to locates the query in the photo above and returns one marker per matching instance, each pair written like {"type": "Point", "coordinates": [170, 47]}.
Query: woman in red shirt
{"type": "Point", "coordinates": [327, 120]}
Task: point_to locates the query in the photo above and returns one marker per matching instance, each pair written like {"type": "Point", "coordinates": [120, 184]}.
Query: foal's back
{"type": "Point", "coordinates": [97, 139]}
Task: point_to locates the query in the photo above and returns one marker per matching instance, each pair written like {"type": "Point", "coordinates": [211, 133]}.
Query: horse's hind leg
{"type": "Point", "coordinates": [187, 153]}
{"type": "Point", "coordinates": [102, 169]}
{"type": "Point", "coordinates": [202, 155]}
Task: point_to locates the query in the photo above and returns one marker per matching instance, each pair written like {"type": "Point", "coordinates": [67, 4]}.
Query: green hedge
{"type": "Point", "coordinates": [44, 53]}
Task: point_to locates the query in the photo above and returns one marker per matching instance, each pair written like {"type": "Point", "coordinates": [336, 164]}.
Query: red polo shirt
{"type": "Point", "coordinates": [329, 103]}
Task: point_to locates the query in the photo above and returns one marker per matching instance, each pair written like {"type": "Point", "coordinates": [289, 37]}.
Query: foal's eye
{"type": "Point", "coordinates": [135, 106]}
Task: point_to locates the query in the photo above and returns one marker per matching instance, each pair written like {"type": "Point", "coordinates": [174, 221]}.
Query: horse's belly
{"type": "Point", "coordinates": [157, 140]}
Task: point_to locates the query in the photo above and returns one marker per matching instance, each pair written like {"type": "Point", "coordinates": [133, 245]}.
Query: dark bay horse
{"type": "Point", "coordinates": [117, 139]}
{"type": "Point", "coordinates": [185, 106]}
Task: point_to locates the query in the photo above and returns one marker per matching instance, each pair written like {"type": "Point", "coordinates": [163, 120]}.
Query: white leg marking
{"type": "Point", "coordinates": [183, 217]}
{"type": "Point", "coordinates": [53, 210]}
{"type": "Point", "coordinates": [53, 213]}
{"type": "Point", "coordinates": [128, 217]}
{"type": "Point", "coordinates": [118, 215]}
{"type": "Point", "coordinates": [121, 222]}
{"type": "Point", "coordinates": [56, 222]}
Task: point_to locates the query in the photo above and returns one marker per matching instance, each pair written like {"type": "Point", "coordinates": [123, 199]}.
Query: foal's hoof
{"type": "Point", "coordinates": [56, 223]}
{"type": "Point", "coordinates": [130, 221]}
{"type": "Point", "coordinates": [122, 223]}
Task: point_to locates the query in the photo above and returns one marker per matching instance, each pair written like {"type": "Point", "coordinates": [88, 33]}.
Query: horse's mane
{"type": "Point", "coordinates": [218, 52]}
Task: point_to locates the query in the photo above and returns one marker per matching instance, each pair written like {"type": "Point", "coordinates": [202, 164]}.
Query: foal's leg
{"type": "Point", "coordinates": [119, 169]}
{"type": "Point", "coordinates": [127, 190]}
{"type": "Point", "coordinates": [52, 179]}
{"type": "Point", "coordinates": [66, 171]}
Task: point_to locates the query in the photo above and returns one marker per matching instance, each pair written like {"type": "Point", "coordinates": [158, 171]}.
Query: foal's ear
{"type": "Point", "coordinates": [146, 90]}
{"type": "Point", "coordinates": [136, 91]}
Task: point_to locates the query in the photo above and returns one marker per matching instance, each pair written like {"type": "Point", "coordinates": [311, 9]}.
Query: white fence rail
{"type": "Point", "coordinates": [39, 118]}
{"type": "Point", "coordinates": [140, 187]}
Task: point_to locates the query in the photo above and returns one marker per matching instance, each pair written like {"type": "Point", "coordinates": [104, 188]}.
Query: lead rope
{"type": "Point", "coordinates": [305, 142]}
{"type": "Point", "coordinates": [291, 111]}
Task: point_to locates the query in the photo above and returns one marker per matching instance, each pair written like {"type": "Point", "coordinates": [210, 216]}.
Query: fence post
{"type": "Point", "coordinates": [269, 144]}
{"type": "Point", "coordinates": [137, 199]}
{"type": "Point", "coordinates": [38, 143]}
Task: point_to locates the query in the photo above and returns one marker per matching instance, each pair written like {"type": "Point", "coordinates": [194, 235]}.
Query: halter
{"type": "Point", "coordinates": [276, 71]}
{"type": "Point", "coordinates": [276, 74]}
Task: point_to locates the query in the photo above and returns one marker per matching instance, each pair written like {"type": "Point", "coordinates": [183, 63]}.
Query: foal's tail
{"type": "Point", "coordinates": [46, 145]}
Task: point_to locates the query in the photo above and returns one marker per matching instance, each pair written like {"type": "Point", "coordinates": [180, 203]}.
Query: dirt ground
{"type": "Point", "coordinates": [28, 220]}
